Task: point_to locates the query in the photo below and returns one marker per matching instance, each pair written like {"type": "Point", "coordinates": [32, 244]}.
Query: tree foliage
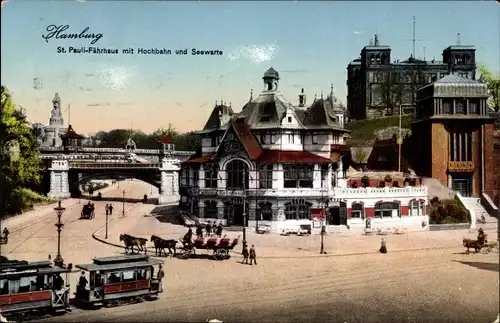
{"type": "Point", "coordinates": [117, 138]}
{"type": "Point", "coordinates": [493, 84]}
{"type": "Point", "coordinates": [19, 160]}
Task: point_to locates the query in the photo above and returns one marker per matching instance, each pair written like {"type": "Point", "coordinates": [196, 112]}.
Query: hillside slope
{"type": "Point", "coordinates": [363, 131]}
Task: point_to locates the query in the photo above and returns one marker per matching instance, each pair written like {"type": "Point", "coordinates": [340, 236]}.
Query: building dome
{"type": "Point", "coordinates": [271, 73]}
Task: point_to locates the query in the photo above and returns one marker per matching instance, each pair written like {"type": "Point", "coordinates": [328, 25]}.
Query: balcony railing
{"type": "Point", "coordinates": [461, 166]}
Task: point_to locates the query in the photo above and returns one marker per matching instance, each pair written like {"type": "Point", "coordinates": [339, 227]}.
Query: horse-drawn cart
{"type": "Point", "coordinates": [88, 212]}
{"type": "Point", "coordinates": [219, 246]}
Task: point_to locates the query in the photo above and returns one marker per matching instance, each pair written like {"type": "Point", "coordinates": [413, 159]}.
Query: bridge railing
{"type": "Point", "coordinates": [112, 165]}
{"type": "Point", "coordinates": [115, 150]}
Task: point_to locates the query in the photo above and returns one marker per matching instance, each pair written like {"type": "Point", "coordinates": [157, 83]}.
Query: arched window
{"type": "Point", "coordinates": [266, 176]}
{"type": "Point", "coordinates": [417, 207]}
{"type": "Point", "coordinates": [236, 175]}
{"type": "Point", "coordinates": [210, 209]}
{"type": "Point", "coordinates": [298, 210]}
{"type": "Point", "coordinates": [265, 212]}
{"type": "Point", "coordinates": [357, 211]}
{"type": "Point", "coordinates": [387, 210]}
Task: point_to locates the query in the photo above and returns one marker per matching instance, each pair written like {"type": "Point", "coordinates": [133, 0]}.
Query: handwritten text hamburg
{"type": "Point", "coordinates": [57, 32]}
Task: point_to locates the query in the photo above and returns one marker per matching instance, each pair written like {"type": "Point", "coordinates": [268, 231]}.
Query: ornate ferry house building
{"type": "Point", "coordinates": [271, 162]}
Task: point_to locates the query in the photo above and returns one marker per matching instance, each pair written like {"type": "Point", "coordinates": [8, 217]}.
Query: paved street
{"type": "Point", "coordinates": [434, 285]}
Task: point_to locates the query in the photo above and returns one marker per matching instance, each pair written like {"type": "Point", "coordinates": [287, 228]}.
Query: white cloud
{"type": "Point", "coordinates": [359, 32]}
{"type": "Point", "coordinates": [255, 53]}
{"type": "Point", "coordinates": [115, 77]}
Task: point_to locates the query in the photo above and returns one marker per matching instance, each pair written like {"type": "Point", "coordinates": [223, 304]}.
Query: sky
{"type": "Point", "coordinates": [309, 43]}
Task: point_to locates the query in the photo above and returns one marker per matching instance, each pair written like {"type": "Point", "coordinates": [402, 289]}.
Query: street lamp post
{"type": "Point", "coordinates": [58, 261]}
{"type": "Point", "coordinates": [123, 204]}
{"type": "Point", "coordinates": [106, 236]}
{"type": "Point", "coordinates": [244, 209]}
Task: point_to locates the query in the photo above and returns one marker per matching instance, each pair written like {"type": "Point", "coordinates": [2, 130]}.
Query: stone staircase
{"type": "Point", "coordinates": [473, 204]}
{"type": "Point", "coordinates": [435, 188]}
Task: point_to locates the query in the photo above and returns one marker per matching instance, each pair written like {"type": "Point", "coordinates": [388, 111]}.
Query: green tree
{"type": "Point", "coordinates": [19, 161]}
{"type": "Point", "coordinates": [493, 84]}
{"type": "Point", "coordinates": [116, 138]}
{"type": "Point", "coordinates": [391, 90]}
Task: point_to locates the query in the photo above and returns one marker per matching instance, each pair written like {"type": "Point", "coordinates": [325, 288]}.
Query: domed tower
{"type": "Point", "coordinates": [271, 80]}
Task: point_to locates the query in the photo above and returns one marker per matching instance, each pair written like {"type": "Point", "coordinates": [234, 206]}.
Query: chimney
{"type": "Point", "coordinates": [302, 98]}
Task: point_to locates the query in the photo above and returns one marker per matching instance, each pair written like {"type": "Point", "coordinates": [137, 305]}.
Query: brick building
{"type": "Point", "coordinates": [453, 136]}
{"type": "Point", "coordinates": [375, 83]}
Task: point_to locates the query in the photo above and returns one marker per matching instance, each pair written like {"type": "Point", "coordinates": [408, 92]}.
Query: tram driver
{"type": "Point", "coordinates": [58, 282]}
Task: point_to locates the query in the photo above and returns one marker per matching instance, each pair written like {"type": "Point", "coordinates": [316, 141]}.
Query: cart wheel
{"type": "Point", "coordinates": [185, 253]}
{"type": "Point", "coordinates": [219, 254]}
{"type": "Point", "coordinates": [225, 253]}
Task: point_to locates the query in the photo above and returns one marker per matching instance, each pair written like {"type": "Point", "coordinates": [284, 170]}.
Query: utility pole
{"type": "Point", "coordinates": [244, 208]}
{"type": "Point", "coordinates": [414, 40]}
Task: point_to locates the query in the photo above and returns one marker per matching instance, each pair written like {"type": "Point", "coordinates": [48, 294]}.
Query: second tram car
{"type": "Point", "coordinates": [112, 280]}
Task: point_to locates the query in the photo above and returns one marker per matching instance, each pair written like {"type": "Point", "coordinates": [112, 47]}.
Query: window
{"type": "Point", "coordinates": [357, 211]}
{"type": "Point", "coordinates": [417, 207]}
{"type": "Point", "coordinates": [266, 176]}
{"type": "Point", "coordinates": [210, 210]}
{"type": "Point", "coordinates": [128, 276]}
{"type": "Point", "coordinates": [447, 107]}
{"type": "Point", "coordinates": [113, 278]}
{"type": "Point", "coordinates": [386, 210]}
{"type": "Point", "coordinates": [215, 141]}
{"type": "Point", "coordinates": [324, 176]}
{"type": "Point", "coordinates": [473, 107]}
{"type": "Point", "coordinates": [23, 285]}
{"type": "Point", "coordinates": [298, 176]}
{"type": "Point", "coordinates": [211, 175]}
{"type": "Point", "coordinates": [460, 106]}
{"type": "Point", "coordinates": [460, 146]}
{"type": "Point", "coordinates": [314, 139]}
{"type": "Point", "coordinates": [433, 77]}
{"type": "Point", "coordinates": [265, 212]}
{"type": "Point", "coordinates": [263, 139]}
{"type": "Point", "coordinates": [289, 119]}
{"type": "Point", "coordinates": [237, 175]}
{"type": "Point", "coordinates": [298, 210]}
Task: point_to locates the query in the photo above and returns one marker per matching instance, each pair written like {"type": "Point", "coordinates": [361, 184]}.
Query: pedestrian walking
{"type": "Point", "coordinates": [219, 230]}
{"type": "Point", "coordinates": [208, 228]}
{"type": "Point", "coordinates": [253, 257]}
{"type": "Point", "coordinates": [383, 246]}
{"type": "Point", "coordinates": [107, 209]}
{"type": "Point", "coordinates": [160, 276]}
{"type": "Point", "coordinates": [110, 208]}
{"type": "Point", "coordinates": [245, 254]}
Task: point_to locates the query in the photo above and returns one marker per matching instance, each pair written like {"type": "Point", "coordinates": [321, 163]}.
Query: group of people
{"type": "Point", "coordinates": [249, 254]}
{"type": "Point", "coordinates": [209, 229]}
{"type": "Point", "coordinates": [109, 209]}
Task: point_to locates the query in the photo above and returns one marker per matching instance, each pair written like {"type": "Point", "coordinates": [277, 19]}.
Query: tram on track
{"type": "Point", "coordinates": [117, 280]}
{"type": "Point", "coordinates": [33, 289]}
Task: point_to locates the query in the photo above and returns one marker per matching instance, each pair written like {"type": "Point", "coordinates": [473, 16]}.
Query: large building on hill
{"type": "Point", "coordinates": [282, 164]}
{"type": "Point", "coordinates": [376, 83]}
{"type": "Point", "coordinates": [454, 136]}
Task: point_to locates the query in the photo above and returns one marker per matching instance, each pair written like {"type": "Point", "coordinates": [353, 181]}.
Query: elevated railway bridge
{"type": "Point", "coordinates": [70, 167]}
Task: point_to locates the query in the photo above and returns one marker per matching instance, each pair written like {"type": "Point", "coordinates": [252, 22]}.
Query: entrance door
{"type": "Point", "coordinates": [462, 184]}
{"type": "Point", "coordinates": [234, 214]}
{"type": "Point", "coordinates": [337, 215]}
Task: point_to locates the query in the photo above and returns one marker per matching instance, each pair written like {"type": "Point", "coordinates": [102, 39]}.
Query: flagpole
{"type": "Point", "coordinates": [399, 140]}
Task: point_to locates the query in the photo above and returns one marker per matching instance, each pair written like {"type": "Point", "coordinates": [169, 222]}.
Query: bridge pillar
{"type": "Point", "coordinates": [59, 182]}
{"type": "Point", "coordinates": [169, 192]}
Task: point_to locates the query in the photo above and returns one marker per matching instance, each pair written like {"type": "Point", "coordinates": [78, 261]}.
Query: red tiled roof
{"type": "Point", "coordinates": [198, 160]}
{"type": "Point", "coordinates": [166, 140]}
{"type": "Point", "coordinates": [71, 134]}
{"type": "Point", "coordinates": [247, 139]}
{"type": "Point", "coordinates": [291, 157]}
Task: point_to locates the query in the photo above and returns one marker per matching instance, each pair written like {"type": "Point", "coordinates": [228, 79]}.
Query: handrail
{"type": "Point", "coordinates": [488, 204]}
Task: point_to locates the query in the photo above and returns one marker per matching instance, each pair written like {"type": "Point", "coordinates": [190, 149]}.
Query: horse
{"type": "Point", "coordinates": [474, 244]}
{"type": "Point", "coordinates": [162, 244]}
{"type": "Point", "coordinates": [131, 241]}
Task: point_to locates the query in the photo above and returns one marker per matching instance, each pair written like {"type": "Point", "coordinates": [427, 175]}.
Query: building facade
{"type": "Point", "coordinates": [376, 85]}
{"type": "Point", "coordinates": [276, 163]}
{"type": "Point", "coordinates": [454, 136]}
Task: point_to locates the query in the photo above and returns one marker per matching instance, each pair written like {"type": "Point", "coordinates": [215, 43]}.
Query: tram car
{"type": "Point", "coordinates": [116, 280]}
{"type": "Point", "coordinates": [28, 288]}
